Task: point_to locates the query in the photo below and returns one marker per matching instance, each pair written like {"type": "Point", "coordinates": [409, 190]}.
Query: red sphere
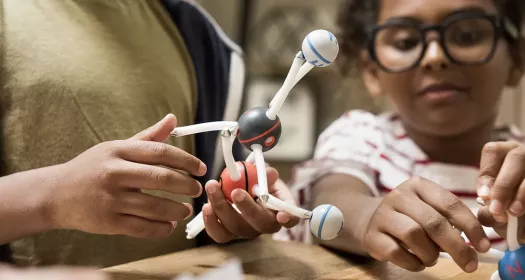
{"type": "Point", "coordinates": [247, 181]}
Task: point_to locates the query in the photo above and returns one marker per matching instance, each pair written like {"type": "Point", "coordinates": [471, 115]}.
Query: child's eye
{"type": "Point", "coordinates": [469, 33]}
{"type": "Point", "coordinates": [406, 44]}
{"type": "Point", "coordinates": [467, 38]}
{"type": "Point", "coordinates": [402, 39]}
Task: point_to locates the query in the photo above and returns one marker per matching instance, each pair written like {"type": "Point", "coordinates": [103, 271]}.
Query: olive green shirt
{"type": "Point", "coordinates": [79, 72]}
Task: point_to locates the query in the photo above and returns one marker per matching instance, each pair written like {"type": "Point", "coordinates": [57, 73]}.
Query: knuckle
{"type": "Point", "coordinates": [109, 172]}
{"type": "Point", "coordinates": [491, 148]}
{"type": "Point", "coordinates": [239, 230]}
{"type": "Point", "coordinates": [416, 181]}
{"type": "Point", "coordinates": [157, 209]}
{"type": "Point", "coordinates": [394, 252]}
{"type": "Point", "coordinates": [111, 202]}
{"type": "Point", "coordinates": [517, 153]}
{"type": "Point", "coordinates": [452, 203]}
{"type": "Point", "coordinates": [433, 255]}
{"type": "Point", "coordinates": [162, 175]}
{"type": "Point", "coordinates": [464, 254]}
{"type": "Point", "coordinates": [396, 194]}
{"type": "Point", "coordinates": [141, 230]}
{"type": "Point", "coordinates": [411, 184]}
{"type": "Point", "coordinates": [159, 149]}
{"type": "Point", "coordinates": [220, 205]}
{"type": "Point", "coordinates": [112, 148]}
{"type": "Point", "coordinates": [435, 225]}
{"type": "Point", "coordinates": [393, 200]}
{"type": "Point", "coordinates": [270, 227]}
{"type": "Point", "coordinates": [474, 226]}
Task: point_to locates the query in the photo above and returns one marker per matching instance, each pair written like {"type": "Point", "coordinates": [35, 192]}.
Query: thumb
{"type": "Point", "coordinates": [492, 158]}
{"type": "Point", "coordinates": [159, 132]}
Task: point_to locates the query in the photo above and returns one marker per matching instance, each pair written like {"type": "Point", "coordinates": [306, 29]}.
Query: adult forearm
{"type": "Point", "coordinates": [23, 203]}
{"type": "Point", "coordinates": [357, 205]}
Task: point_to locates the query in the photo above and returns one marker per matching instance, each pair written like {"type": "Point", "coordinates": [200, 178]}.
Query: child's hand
{"type": "Point", "coordinates": [423, 217]}
{"type": "Point", "coordinates": [100, 190]}
{"type": "Point", "coordinates": [501, 184]}
{"type": "Point", "coordinates": [223, 223]}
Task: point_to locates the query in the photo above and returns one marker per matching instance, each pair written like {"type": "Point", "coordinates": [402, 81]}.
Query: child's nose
{"type": "Point", "coordinates": [434, 58]}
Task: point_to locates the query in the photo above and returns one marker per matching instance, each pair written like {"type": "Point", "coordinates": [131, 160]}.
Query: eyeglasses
{"type": "Point", "coordinates": [466, 39]}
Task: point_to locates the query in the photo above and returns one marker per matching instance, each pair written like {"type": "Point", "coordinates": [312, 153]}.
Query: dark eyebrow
{"type": "Point", "coordinates": [472, 10]}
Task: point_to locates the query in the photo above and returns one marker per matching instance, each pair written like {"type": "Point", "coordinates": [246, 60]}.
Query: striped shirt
{"type": "Point", "coordinates": [377, 150]}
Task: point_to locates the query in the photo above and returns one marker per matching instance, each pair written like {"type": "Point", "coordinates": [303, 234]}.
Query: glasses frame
{"type": "Point", "coordinates": [497, 21]}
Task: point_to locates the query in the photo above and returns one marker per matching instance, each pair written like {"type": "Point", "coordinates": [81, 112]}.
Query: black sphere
{"type": "Point", "coordinates": [256, 128]}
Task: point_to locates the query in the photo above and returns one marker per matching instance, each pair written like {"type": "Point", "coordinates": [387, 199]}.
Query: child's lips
{"type": "Point", "coordinates": [442, 92]}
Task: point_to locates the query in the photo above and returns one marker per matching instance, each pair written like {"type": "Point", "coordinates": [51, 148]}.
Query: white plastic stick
{"type": "Point", "coordinates": [276, 204]}
{"type": "Point", "coordinates": [302, 72]}
{"type": "Point", "coordinates": [261, 169]}
{"type": "Point", "coordinates": [288, 84]}
{"type": "Point", "coordinates": [269, 206]}
{"type": "Point", "coordinates": [492, 256]}
{"type": "Point", "coordinates": [194, 227]}
{"type": "Point", "coordinates": [305, 68]}
{"type": "Point", "coordinates": [193, 220]}
{"type": "Point", "coordinates": [233, 171]}
{"type": "Point", "coordinates": [202, 127]}
{"type": "Point", "coordinates": [512, 232]}
{"type": "Point", "coordinates": [250, 158]}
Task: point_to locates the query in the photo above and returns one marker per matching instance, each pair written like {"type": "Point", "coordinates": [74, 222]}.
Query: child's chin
{"type": "Point", "coordinates": [447, 123]}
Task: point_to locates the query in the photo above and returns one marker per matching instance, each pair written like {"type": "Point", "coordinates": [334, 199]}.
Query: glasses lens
{"type": "Point", "coordinates": [398, 47]}
{"type": "Point", "coordinates": [470, 40]}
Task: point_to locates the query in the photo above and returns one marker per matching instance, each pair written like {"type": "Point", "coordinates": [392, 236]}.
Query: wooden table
{"type": "Point", "coordinates": [267, 259]}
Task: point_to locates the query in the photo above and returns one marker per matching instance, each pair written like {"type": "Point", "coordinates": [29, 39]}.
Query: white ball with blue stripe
{"type": "Point", "coordinates": [327, 222]}
{"type": "Point", "coordinates": [320, 48]}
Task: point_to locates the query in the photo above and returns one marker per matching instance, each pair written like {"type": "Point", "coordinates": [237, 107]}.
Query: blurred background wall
{"type": "Point", "coordinates": [271, 33]}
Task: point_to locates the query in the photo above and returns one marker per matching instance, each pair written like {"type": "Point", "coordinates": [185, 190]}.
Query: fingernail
{"type": "Point", "coordinates": [200, 191]}
{"type": "Point", "coordinates": [495, 207]}
{"type": "Point", "coordinates": [285, 220]}
{"type": "Point", "coordinates": [174, 224]}
{"type": "Point", "coordinates": [499, 218]}
{"type": "Point", "coordinates": [190, 208]}
{"type": "Point", "coordinates": [211, 189]}
{"type": "Point", "coordinates": [484, 245]}
{"type": "Point", "coordinates": [516, 207]}
{"type": "Point", "coordinates": [471, 266]}
{"type": "Point", "coordinates": [485, 181]}
{"type": "Point", "coordinates": [202, 168]}
{"type": "Point", "coordinates": [206, 211]}
{"type": "Point", "coordinates": [484, 192]}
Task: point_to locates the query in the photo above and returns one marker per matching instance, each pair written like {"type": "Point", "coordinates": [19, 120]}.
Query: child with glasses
{"type": "Point", "coordinates": [407, 181]}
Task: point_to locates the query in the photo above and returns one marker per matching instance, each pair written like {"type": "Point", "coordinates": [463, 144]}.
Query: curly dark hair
{"type": "Point", "coordinates": [356, 16]}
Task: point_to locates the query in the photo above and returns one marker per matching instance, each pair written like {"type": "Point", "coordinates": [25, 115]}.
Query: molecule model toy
{"type": "Point", "coordinates": [258, 130]}
{"type": "Point", "coordinates": [512, 264]}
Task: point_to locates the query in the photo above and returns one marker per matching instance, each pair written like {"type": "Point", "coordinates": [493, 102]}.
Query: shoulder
{"type": "Point", "coordinates": [196, 23]}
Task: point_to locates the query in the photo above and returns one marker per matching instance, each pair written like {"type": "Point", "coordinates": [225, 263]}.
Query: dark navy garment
{"type": "Point", "coordinates": [211, 52]}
